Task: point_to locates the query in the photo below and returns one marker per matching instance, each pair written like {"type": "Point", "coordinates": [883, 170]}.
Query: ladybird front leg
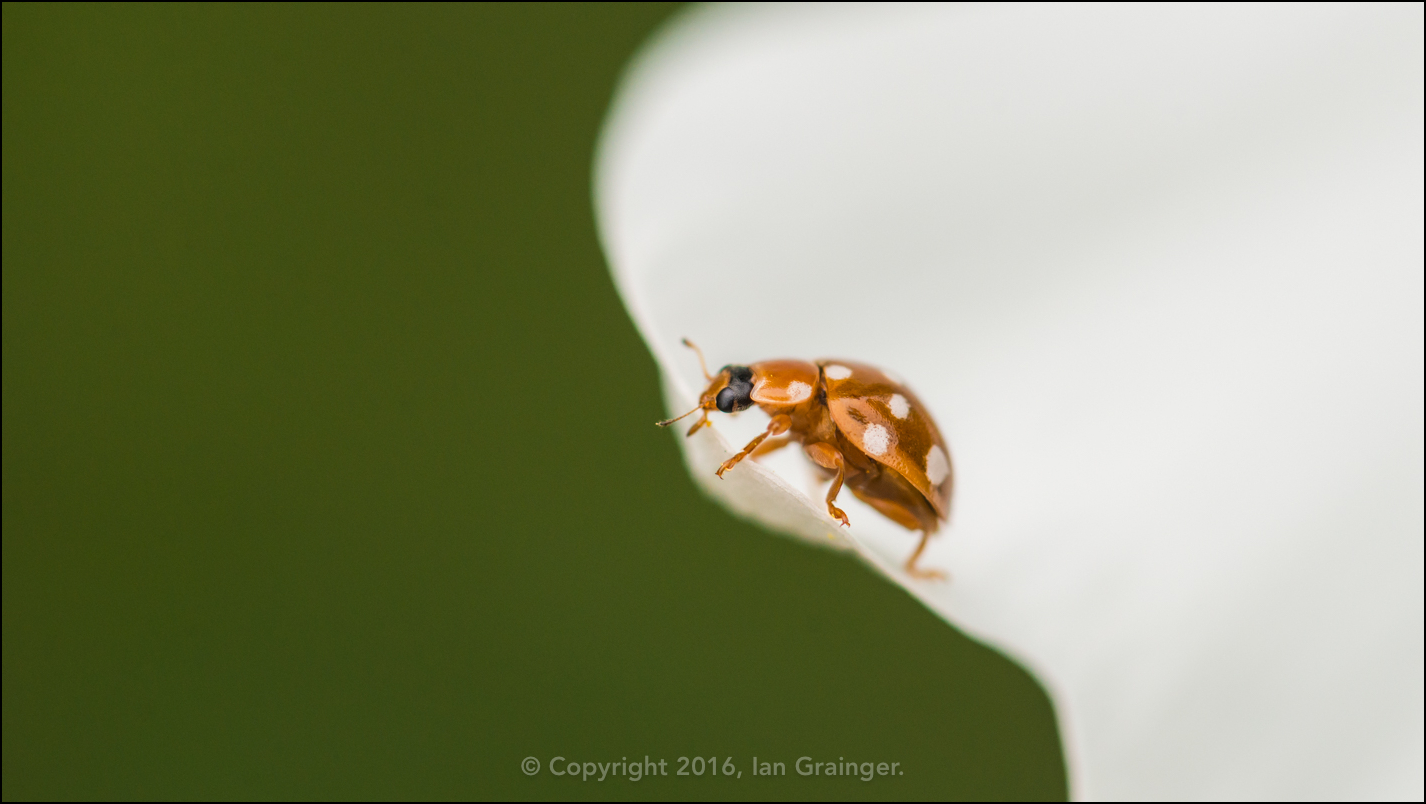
{"type": "Point", "coordinates": [770, 446]}
{"type": "Point", "coordinates": [779, 425]}
{"type": "Point", "coordinates": [698, 425]}
{"type": "Point", "coordinates": [829, 457]}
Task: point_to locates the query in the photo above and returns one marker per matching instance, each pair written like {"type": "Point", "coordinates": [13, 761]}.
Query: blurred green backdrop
{"type": "Point", "coordinates": [329, 466]}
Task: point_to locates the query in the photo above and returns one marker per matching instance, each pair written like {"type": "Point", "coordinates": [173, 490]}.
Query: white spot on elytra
{"type": "Point", "coordinates": [937, 467]}
{"type": "Point", "coordinates": [900, 408]}
{"type": "Point", "coordinates": [876, 439]}
{"type": "Point", "coordinates": [837, 372]}
{"type": "Point", "coordinates": [798, 390]}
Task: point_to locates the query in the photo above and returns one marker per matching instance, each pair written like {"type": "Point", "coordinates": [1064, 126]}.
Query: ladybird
{"type": "Point", "coordinates": [864, 429]}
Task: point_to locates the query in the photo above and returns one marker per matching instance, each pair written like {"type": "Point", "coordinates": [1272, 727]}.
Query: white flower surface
{"type": "Point", "coordinates": [1156, 271]}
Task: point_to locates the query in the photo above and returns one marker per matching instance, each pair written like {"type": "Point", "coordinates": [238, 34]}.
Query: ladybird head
{"type": "Point", "coordinates": [729, 391]}
{"type": "Point", "coordinates": [737, 389]}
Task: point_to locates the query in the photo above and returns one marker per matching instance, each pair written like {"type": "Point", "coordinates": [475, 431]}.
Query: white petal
{"type": "Point", "coordinates": [1157, 271]}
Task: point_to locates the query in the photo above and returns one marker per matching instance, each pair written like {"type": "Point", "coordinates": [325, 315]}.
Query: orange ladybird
{"type": "Point", "coordinates": [863, 428]}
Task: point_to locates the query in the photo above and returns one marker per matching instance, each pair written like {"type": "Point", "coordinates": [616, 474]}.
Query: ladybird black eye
{"type": "Point", "coordinates": [738, 395]}
{"type": "Point", "coordinates": [727, 400]}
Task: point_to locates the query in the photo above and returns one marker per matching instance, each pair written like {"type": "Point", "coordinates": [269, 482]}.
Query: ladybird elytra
{"type": "Point", "coordinates": [867, 432]}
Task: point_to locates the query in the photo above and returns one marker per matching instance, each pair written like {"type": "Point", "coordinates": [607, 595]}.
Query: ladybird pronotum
{"type": "Point", "coordinates": [864, 429]}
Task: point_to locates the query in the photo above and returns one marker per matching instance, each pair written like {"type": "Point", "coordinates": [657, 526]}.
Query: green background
{"type": "Point", "coordinates": [329, 466]}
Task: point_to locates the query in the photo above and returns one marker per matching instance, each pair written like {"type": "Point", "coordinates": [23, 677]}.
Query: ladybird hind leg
{"type": "Point", "coordinates": [899, 501]}
{"type": "Point", "coordinates": [917, 572]}
{"type": "Point", "coordinates": [779, 425]}
{"type": "Point", "coordinates": [829, 457]}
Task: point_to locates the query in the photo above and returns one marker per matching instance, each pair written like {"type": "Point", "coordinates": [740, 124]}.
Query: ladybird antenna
{"type": "Point", "coordinates": [701, 362]}
{"type": "Point", "coordinates": [667, 422]}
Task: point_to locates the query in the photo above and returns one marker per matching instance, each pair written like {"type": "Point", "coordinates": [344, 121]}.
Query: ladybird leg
{"type": "Point", "coordinates": [698, 425]}
{"type": "Point", "coordinates": [829, 457]}
{"type": "Point", "coordinates": [779, 425]}
{"type": "Point", "coordinates": [769, 446]}
{"type": "Point", "coordinates": [916, 572]}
